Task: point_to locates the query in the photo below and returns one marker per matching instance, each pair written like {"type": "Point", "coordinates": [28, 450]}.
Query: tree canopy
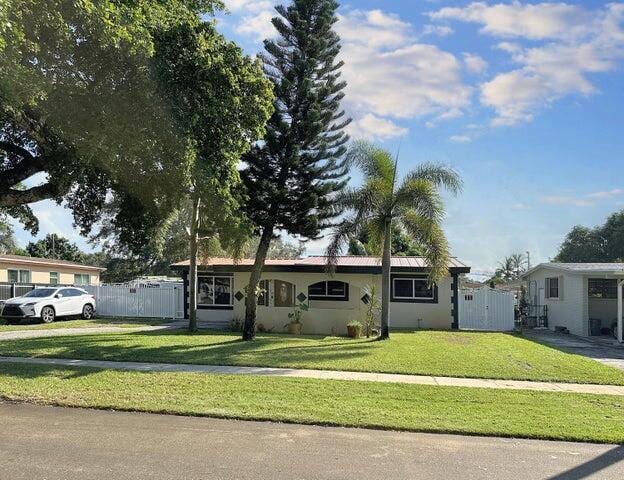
{"type": "Point", "coordinates": [53, 246]}
{"type": "Point", "coordinates": [402, 244]}
{"type": "Point", "coordinates": [604, 243]}
{"type": "Point", "coordinates": [82, 111]}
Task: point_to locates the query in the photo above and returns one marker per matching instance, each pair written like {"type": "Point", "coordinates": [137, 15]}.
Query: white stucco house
{"type": "Point", "coordinates": [583, 297]}
{"type": "Point", "coordinates": [333, 300]}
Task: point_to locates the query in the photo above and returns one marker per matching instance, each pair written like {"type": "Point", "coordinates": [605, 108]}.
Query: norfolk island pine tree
{"type": "Point", "coordinates": [293, 176]}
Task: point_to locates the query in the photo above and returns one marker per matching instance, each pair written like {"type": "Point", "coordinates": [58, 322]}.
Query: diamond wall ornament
{"type": "Point", "coordinates": [301, 297]}
{"type": "Point", "coordinates": [365, 299]}
{"type": "Point", "coordinates": [239, 296]}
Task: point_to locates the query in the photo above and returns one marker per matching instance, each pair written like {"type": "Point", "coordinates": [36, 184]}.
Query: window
{"type": "Point", "coordinates": [19, 276]}
{"type": "Point", "coordinates": [552, 287]}
{"type": "Point", "coordinates": [276, 293]}
{"type": "Point", "coordinates": [413, 289]}
{"type": "Point", "coordinates": [330, 290]}
{"type": "Point", "coordinates": [54, 278]}
{"type": "Point", "coordinates": [81, 279]}
{"type": "Point", "coordinates": [602, 288]}
{"type": "Point", "coordinates": [214, 291]}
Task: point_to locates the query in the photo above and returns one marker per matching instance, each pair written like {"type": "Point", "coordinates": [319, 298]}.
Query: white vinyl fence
{"type": "Point", "coordinates": [143, 302]}
{"type": "Point", "coordinates": [486, 309]}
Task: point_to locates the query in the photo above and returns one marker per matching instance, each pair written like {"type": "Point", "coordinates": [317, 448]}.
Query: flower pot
{"type": "Point", "coordinates": [294, 328]}
{"type": "Point", "coordinates": [354, 331]}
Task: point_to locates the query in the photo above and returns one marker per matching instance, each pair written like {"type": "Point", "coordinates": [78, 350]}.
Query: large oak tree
{"type": "Point", "coordinates": [82, 112]}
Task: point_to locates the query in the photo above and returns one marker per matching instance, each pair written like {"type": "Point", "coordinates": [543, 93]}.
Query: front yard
{"type": "Point", "coordinates": [443, 353]}
{"type": "Point", "coordinates": [562, 416]}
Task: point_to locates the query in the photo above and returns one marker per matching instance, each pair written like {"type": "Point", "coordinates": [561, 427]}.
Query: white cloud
{"type": "Point", "coordinates": [257, 25]}
{"type": "Point", "coordinates": [373, 127]}
{"type": "Point", "coordinates": [533, 21]}
{"type": "Point", "coordinates": [587, 200]}
{"type": "Point", "coordinates": [616, 192]}
{"type": "Point", "coordinates": [248, 5]}
{"type": "Point", "coordinates": [460, 139]}
{"type": "Point", "coordinates": [439, 30]}
{"type": "Point", "coordinates": [474, 63]}
{"type": "Point", "coordinates": [579, 43]}
{"type": "Point", "coordinates": [374, 29]}
{"type": "Point", "coordinates": [390, 74]}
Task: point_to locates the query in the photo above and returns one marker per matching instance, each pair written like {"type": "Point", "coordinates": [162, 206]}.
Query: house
{"type": "Point", "coordinates": [582, 297]}
{"type": "Point", "coordinates": [44, 271]}
{"type": "Point", "coordinates": [333, 300]}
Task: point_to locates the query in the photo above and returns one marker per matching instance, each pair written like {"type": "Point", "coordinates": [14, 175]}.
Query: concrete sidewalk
{"type": "Point", "coordinates": [326, 375]}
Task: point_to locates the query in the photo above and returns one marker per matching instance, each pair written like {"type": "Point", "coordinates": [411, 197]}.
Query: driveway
{"type": "Point", "coordinates": [606, 352]}
{"type": "Point", "coordinates": [56, 443]}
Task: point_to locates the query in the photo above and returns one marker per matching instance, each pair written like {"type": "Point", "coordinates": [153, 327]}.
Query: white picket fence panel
{"type": "Point", "coordinates": [142, 302]}
{"type": "Point", "coordinates": [486, 309]}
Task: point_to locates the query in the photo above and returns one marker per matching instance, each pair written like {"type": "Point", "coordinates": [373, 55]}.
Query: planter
{"type": "Point", "coordinates": [294, 328]}
{"type": "Point", "coordinates": [354, 331]}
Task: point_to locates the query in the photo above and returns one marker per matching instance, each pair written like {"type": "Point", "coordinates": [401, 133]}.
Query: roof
{"type": "Point", "coordinates": [581, 268]}
{"type": "Point", "coordinates": [19, 259]}
{"type": "Point", "coordinates": [318, 263]}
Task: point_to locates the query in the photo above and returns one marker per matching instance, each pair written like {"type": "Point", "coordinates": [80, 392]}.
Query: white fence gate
{"type": "Point", "coordinates": [486, 309]}
{"type": "Point", "coordinates": [142, 302]}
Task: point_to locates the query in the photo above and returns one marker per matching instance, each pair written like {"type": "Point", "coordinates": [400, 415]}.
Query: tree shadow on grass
{"type": "Point", "coordinates": [177, 347]}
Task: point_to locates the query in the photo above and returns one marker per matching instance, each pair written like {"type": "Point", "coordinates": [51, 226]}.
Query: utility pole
{"type": "Point", "coordinates": [528, 260]}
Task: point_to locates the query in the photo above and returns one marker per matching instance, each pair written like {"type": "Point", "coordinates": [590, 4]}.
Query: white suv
{"type": "Point", "coordinates": [49, 303]}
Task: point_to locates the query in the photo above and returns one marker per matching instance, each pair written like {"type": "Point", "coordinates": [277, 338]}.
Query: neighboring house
{"type": "Point", "coordinates": [333, 300]}
{"type": "Point", "coordinates": [583, 297]}
{"type": "Point", "coordinates": [44, 271]}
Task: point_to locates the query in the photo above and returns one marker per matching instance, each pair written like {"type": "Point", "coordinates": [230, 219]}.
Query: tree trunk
{"type": "Point", "coordinates": [192, 278]}
{"type": "Point", "coordinates": [385, 281]}
{"type": "Point", "coordinates": [251, 300]}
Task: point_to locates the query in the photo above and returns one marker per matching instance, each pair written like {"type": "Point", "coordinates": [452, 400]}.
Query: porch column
{"type": "Point", "coordinates": [620, 327]}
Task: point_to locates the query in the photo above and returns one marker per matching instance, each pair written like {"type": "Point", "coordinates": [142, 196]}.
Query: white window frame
{"type": "Point", "coordinates": [414, 297]}
{"type": "Point", "coordinates": [213, 304]}
{"type": "Point", "coordinates": [58, 278]}
{"type": "Point", "coordinates": [19, 271]}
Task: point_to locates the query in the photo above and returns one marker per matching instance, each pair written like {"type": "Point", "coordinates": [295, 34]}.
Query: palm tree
{"type": "Point", "coordinates": [413, 203]}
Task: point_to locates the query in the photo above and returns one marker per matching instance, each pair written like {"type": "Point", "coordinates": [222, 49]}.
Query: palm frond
{"type": "Point", "coordinates": [438, 175]}
{"type": "Point", "coordinates": [374, 162]}
{"type": "Point", "coordinates": [422, 196]}
{"type": "Point", "coordinates": [430, 236]}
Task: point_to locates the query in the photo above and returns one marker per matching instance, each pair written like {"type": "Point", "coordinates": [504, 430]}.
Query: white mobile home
{"type": "Point", "coordinates": [585, 298]}
{"type": "Point", "coordinates": [333, 300]}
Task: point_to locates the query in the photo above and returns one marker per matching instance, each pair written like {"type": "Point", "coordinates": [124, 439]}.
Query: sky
{"type": "Point", "coordinates": [523, 99]}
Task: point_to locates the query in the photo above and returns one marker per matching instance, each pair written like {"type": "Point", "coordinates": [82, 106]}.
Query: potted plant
{"type": "Point", "coordinates": [295, 326]}
{"type": "Point", "coordinates": [354, 329]}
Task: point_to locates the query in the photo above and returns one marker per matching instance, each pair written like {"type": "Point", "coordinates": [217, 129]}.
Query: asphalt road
{"type": "Point", "coordinates": [56, 443]}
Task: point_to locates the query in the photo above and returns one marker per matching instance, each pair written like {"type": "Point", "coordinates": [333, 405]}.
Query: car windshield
{"type": "Point", "coordinates": [40, 293]}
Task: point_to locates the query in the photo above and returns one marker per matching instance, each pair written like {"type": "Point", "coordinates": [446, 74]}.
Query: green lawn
{"type": "Point", "coordinates": [561, 416]}
{"type": "Point", "coordinates": [98, 322]}
{"type": "Point", "coordinates": [461, 354]}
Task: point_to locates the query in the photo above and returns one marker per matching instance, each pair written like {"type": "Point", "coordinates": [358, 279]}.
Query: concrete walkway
{"type": "Point", "coordinates": [326, 375]}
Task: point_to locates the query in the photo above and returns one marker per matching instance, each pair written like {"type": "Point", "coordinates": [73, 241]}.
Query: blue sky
{"type": "Point", "coordinates": [524, 99]}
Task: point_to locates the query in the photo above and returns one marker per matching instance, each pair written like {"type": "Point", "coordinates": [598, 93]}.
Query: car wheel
{"type": "Point", "coordinates": [47, 315]}
{"type": "Point", "coordinates": [87, 312]}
